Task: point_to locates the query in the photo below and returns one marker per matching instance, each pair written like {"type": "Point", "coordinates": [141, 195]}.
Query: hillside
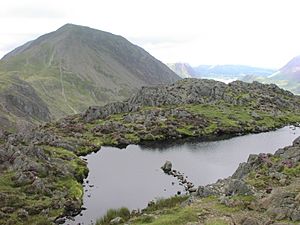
{"type": "Point", "coordinates": [291, 71]}
{"type": "Point", "coordinates": [288, 77]}
{"type": "Point", "coordinates": [42, 173]}
{"type": "Point", "coordinates": [75, 67]}
{"type": "Point", "coordinates": [184, 70]}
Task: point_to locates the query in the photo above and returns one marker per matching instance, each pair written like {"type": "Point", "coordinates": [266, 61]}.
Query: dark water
{"type": "Point", "coordinates": [132, 177]}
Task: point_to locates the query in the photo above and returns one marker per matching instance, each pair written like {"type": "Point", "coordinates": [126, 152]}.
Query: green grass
{"type": "Point", "coordinates": [294, 171]}
{"type": "Point", "coordinates": [186, 130]}
{"type": "Point", "coordinates": [123, 212]}
{"type": "Point", "coordinates": [166, 203]}
{"type": "Point", "coordinates": [175, 216]}
{"type": "Point", "coordinates": [216, 221]}
{"type": "Point", "coordinates": [72, 187]}
{"type": "Point", "coordinates": [132, 138]}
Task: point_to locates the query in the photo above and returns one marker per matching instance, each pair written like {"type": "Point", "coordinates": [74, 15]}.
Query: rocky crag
{"type": "Point", "coordinates": [42, 173]}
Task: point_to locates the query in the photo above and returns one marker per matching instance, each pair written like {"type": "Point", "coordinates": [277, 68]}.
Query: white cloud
{"type": "Point", "coordinates": [253, 32]}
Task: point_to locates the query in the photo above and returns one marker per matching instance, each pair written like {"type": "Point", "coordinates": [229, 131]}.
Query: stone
{"type": "Point", "coordinates": [250, 221]}
{"type": "Point", "coordinates": [205, 191]}
{"type": "Point", "coordinates": [22, 213]}
{"type": "Point", "coordinates": [167, 167]}
{"type": "Point", "coordinates": [256, 116]}
{"type": "Point", "coordinates": [238, 187]}
{"type": "Point", "coordinates": [193, 189]}
{"type": "Point", "coordinates": [295, 215]}
{"type": "Point", "coordinates": [60, 220]}
{"type": "Point", "coordinates": [116, 220]}
{"type": "Point", "coordinates": [296, 142]}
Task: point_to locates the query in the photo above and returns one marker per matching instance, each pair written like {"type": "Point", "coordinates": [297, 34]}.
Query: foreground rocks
{"type": "Point", "coordinates": [271, 181]}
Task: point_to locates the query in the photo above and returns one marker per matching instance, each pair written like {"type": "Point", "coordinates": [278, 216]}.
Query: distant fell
{"type": "Point", "coordinates": [291, 71]}
{"type": "Point", "coordinates": [76, 66]}
{"type": "Point", "coordinates": [288, 77]}
{"type": "Point", "coordinates": [230, 71]}
{"type": "Point", "coordinates": [184, 70]}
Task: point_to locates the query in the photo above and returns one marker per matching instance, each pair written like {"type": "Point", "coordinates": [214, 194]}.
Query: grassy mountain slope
{"type": "Point", "coordinates": [75, 67]}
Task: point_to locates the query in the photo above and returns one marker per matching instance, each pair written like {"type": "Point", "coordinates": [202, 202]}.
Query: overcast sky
{"type": "Point", "coordinates": [252, 32]}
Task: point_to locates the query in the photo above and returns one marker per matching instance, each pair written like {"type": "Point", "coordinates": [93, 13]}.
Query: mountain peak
{"type": "Point", "coordinates": [76, 66]}
{"type": "Point", "coordinates": [291, 71]}
{"type": "Point", "coordinates": [71, 26]}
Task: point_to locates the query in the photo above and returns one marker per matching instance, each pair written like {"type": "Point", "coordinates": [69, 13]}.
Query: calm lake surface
{"type": "Point", "coordinates": [132, 177]}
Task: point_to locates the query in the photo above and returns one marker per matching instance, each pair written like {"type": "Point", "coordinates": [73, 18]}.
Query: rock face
{"type": "Point", "coordinates": [202, 91]}
{"type": "Point", "coordinates": [20, 104]}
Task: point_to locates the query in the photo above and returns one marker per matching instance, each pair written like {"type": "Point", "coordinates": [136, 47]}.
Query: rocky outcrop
{"type": "Point", "coordinates": [20, 105]}
{"type": "Point", "coordinates": [37, 173]}
{"type": "Point", "coordinates": [273, 181]}
{"type": "Point", "coordinates": [268, 97]}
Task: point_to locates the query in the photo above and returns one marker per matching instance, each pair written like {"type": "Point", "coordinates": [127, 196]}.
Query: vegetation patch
{"type": "Point", "coordinates": [123, 213]}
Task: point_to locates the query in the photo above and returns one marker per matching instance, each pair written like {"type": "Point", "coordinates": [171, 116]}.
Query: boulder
{"type": "Point", "coordinates": [167, 167]}
{"type": "Point", "coordinates": [116, 220]}
{"type": "Point", "coordinates": [238, 187]}
{"type": "Point", "coordinates": [205, 191]}
{"type": "Point", "coordinates": [250, 221]}
{"type": "Point", "coordinates": [22, 213]}
{"type": "Point", "coordinates": [296, 142]}
{"type": "Point", "coordinates": [256, 116]}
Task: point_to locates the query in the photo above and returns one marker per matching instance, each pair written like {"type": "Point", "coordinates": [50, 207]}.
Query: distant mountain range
{"type": "Point", "coordinates": [288, 77]}
{"type": "Point", "coordinates": [230, 71]}
{"type": "Point", "coordinates": [218, 71]}
{"type": "Point", "coordinates": [70, 69]}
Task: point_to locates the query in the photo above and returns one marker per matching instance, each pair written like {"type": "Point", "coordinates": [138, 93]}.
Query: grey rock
{"type": "Point", "coordinates": [22, 213]}
{"type": "Point", "coordinates": [192, 189]}
{"type": "Point", "coordinates": [295, 215]}
{"type": "Point", "coordinates": [256, 116]}
{"type": "Point", "coordinates": [250, 221]}
{"type": "Point", "coordinates": [116, 220]}
{"type": "Point", "coordinates": [296, 142]}
{"type": "Point", "coordinates": [238, 187]}
{"type": "Point", "coordinates": [167, 167]}
{"type": "Point", "coordinates": [205, 191]}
